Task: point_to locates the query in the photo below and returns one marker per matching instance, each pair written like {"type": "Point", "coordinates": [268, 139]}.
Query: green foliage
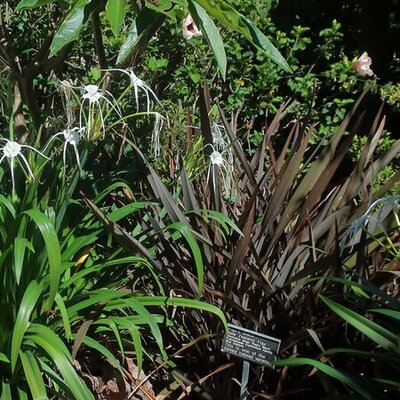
{"type": "Point", "coordinates": [391, 93]}
{"type": "Point", "coordinates": [144, 224]}
{"type": "Point", "coordinates": [65, 273]}
{"type": "Point", "coordinates": [116, 10]}
{"type": "Point", "coordinates": [212, 34]}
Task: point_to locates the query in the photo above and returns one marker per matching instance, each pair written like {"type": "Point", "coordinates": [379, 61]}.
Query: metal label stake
{"type": "Point", "coordinates": [245, 380]}
{"type": "Point", "coordinates": [251, 346]}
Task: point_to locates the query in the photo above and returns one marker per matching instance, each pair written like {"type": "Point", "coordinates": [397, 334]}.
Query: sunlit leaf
{"type": "Point", "coordinates": [129, 43]}
{"type": "Point", "coordinates": [182, 302]}
{"type": "Point", "coordinates": [212, 35]}
{"type": "Point", "coordinates": [64, 315]}
{"type": "Point", "coordinates": [116, 10]}
{"type": "Point", "coordinates": [70, 27]}
{"type": "Point", "coordinates": [7, 203]}
{"type": "Point", "coordinates": [225, 13]}
{"type": "Point", "coordinates": [52, 247]}
{"type": "Point", "coordinates": [44, 338]}
{"type": "Point", "coordinates": [27, 305]}
{"type": "Point", "coordinates": [124, 211]}
{"type": "Point", "coordinates": [33, 376]}
{"type": "Point", "coordinates": [28, 4]}
{"type": "Point", "coordinates": [20, 244]}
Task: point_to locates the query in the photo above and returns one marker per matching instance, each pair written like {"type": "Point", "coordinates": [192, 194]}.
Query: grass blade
{"type": "Point", "coordinates": [94, 344]}
{"type": "Point", "coordinates": [52, 345]}
{"type": "Point", "coordinates": [53, 250]}
{"type": "Point", "coordinates": [28, 303]}
{"type": "Point", "coordinates": [185, 232]}
{"type": "Point", "coordinates": [33, 376]}
{"type": "Point", "coordinates": [376, 333]}
{"type": "Point", "coordinates": [364, 390]}
{"type": "Point", "coordinates": [180, 302]}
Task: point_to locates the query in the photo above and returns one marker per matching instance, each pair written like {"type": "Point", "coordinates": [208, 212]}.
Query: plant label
{"type": "Point", "coordinates": [250, 345]}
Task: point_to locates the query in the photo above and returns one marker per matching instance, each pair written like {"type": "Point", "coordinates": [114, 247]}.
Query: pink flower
{"type": "Point", "coordinates": [189, 28]}
{"type": "Point", "coordinates": [362, 65]}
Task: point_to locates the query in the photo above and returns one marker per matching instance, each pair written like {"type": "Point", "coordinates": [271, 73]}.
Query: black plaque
{"type": "Point", "coordinates": [251, 345]}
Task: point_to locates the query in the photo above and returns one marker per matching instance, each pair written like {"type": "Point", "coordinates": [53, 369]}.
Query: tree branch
{"type": "Point", "coordinates": [98, 39]}
{"type": "Point", "coordinates": [25, 82]}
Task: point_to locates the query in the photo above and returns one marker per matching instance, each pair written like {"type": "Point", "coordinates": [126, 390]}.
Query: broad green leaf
{"type": "Point", "coordinates": [389, 313]}
{"type": "Point", "coordinates": [124, 324]}
{"type": "Point", "coordinates": [48, 368]}
{"type": "Point", "coordinates": [4, 358]}
{"type": "Point", "coordinates": [23, 395]}
{"type": "Point", "coordinates": [20, 245]}
{"type": "Point", "coordinates": [151, 321]}
{"type": "Point", "coordinates": [72, 247]}
{"type": "Point", "coordinates": [212, 35]}
{"type": "Point", "coordinates": [52, 247]}
{"type": "Point", "coordinates": [361, 387]}
{"type": "Point", "coordinates": [95, 297]}
{"type": "Point", "coordinates": [64, 315]}
{"type": "Point", "coordinates": [122, 212]}
{"type": "Point", "coordinates": [137, 344]}
{"type": "Point", "coordinates": [70, 27]}
{"type": "Point", "coordinates": [116, 10]}
{"type": "Point", "coordinates": [387, 382]}
{"type": "Point", "coordinates": [27, 4]}
{"type": "Point", "coordinates": [375, 332]}
{"type": "Point", "coordinates": [94, 344]}
{"type": "Point", "coordinates": [365, 285]}
{"type": "Point", "coordinates": [360, 353]}
{"type": "Point", "coordinates": [7, 203]}
{"type": "Point", "coordinates": [134, 319]}
{"type": "Point", "coordinates": [129, 324]}
{"type": "Point", "coordinates": [28, 303]}
{"type": "Point", "coordinates": [181, 302]}
{"type": "Point", "coordinates": [33, 376]}
{"type": "Point", "coordinates": [225, 13]}
{"type": "Point", "coordinates": [129, 43]}
{"type": "Point", "coordinates": [264, 44]}
{"type": "Point", "coordinates": [6, 391]}
{"type": "Point", "coordinates": [113, 327]}
{"type": "Point", "coordinates": [44, 338]}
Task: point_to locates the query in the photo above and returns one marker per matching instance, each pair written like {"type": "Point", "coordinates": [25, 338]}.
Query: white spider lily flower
{"type": "Point", "coordinates": [92, 94]}
{"type": "Point", "coordinates": [138, 85]}
{"type": "Point", "coordinates": [12, 150]}
{"type": "Point", "coordinates": [72, 137]}
{"type": "Point", "coordinates": [219, 166]}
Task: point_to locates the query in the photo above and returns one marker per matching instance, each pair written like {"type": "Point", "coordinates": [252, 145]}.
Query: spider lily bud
{"type": "Point", "coordinates": [362, 65]}
{"type": "Point", "coordinates": [189, 28]}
